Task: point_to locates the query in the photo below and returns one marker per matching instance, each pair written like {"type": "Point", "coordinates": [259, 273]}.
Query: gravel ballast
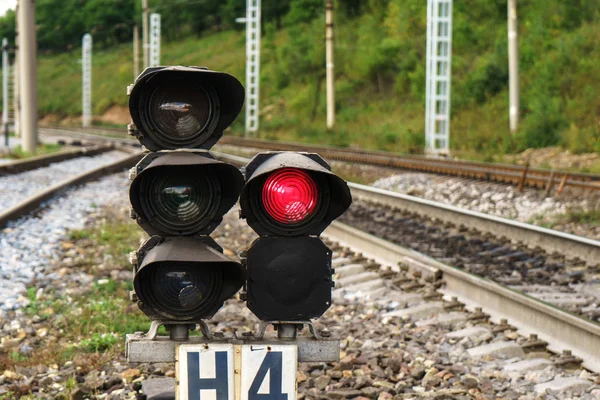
{"type": "Point", "coordinates": [29, 244]}
{"type": "Point", "coordinates": [17, 187]}
{"type": "Point", "coordinates": [529, 206]}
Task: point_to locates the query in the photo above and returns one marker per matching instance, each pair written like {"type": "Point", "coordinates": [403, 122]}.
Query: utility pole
{"type": "Point", "coordinates": [16, 83]}
{"type": "Point", "coordinates": [329, 44]}
{"type": "Point", "coordinates": [154, 58]}
{"type": "Point", "coordinates": [513, 65]}
{"type": "Point", "coordinates": [145, 11]}
{"type": "Point", "coordinates": [136, 52]}
{"type": "Point", "coordinates": [5, 77]}
{"type": "Point", "coordinates": [439, 62]}
{"type": "Point", "coordinates": [28, 74]}
{"type": "Point", "coordinates": [252, 21]}
{"type": "Point", "coordinates": [86, 66]}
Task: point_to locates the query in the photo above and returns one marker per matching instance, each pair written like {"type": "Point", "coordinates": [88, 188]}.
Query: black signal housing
{"type": "Point", "coordinates": [289, 199]}
{"type": "Point", "coordinates": [160, 201]}
{"type": "Point", "coordinates": [180, 193]}
{"type": "Point", "coordinates": [184, 279]}
{"type": "Point", "coordinates": [183, 107]}
{"type": "Point", "coordinates": [289, 278]}
{"type": "Point", "coordinates": [334, 194]}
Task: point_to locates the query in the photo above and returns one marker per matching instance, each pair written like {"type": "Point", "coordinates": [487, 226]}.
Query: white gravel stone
{"type": "Point", "coordinates": [501, 200]}
{"type": "Point", "coordinates": [29, 244]}
{"type": "Point", "coordinates": [564, 384]}
{"type": "Point", "coordinates": [15, 188]}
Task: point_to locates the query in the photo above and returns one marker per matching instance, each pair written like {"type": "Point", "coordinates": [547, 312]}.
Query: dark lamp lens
{"type": "Point", "coordinates": [179, 201]}
{"type": "Point", "coordinates": [290, 196]}
{"type": "Point", "coordinates": [179, 113]}
{"type": "Point", "coordinates": [180, 289]}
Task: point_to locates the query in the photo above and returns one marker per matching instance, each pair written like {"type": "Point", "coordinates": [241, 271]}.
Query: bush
{"type": "Point", "coordinates": [544, 124]}
{"type": "Point", "coordinates": [581, 140]}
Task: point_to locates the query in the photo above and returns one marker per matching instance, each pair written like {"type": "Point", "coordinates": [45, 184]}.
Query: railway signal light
{"type": "Point", "coordinates": [183, 107]}
{"type": "Point", "coordinates": [289, 199]}
{"type": "Point", "coordinates": [179, 192]}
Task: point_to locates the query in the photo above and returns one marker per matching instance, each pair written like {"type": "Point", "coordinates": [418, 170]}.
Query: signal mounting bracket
{"type": "Point", "coordinates": [262, 328]}
{"type": "Point", "coordinates": [153, 331]}
{"type": "Point", "coordinates": [151, 348]}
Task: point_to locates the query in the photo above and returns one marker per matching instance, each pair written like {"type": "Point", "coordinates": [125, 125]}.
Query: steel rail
{"type": "Point", "coordinates": [573, 246]}
{"type": "Point", "coordinates": [28, 164]}
{"type": "Point", "coordinates": [502, 173]}
{"type": "Point", "coordinates": [560, 329]}
{"type": "Point", "coordinates": [33, 202]}
{"type": "Point", "coordinates": [90, 136]}
{"type": "Point", "coordinates": [550, 240]}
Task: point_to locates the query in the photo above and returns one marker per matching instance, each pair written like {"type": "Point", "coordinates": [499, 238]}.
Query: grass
{"type": "Point", "coordinates": [18, 153]}
{"type": "Point", "coordinates": [90, 326]}
{"type": "Point", "coordinates": [118, 238]}
{"type": "Point", "coordinates": [575, 216]}
{"type": "Point", "coordinates": [584, 217]}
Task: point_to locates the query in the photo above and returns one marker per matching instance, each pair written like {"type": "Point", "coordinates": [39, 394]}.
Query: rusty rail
{"type": "Point", "coordinates": [500, 173]}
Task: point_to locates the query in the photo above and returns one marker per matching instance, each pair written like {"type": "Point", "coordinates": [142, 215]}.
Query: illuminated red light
{"type": "Point", "coordinates": [290, 195]}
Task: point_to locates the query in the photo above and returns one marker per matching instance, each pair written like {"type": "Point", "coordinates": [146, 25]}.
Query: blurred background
{"type": "Point", "coordinates": [380, 51]}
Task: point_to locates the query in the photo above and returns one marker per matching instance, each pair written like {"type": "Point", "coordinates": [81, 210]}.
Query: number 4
{"type": "Point", "coordinates": [273, 365]}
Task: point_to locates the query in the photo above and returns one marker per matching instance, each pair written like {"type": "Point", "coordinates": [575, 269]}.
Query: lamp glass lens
{"type": "Point", "coordinates": [179, 288]}
{"type": "Point", "coordinates": [290, 196]}
{"type": "Point", "coordinates": [181, 200]}
{"type": "Point", "coordinates": [180, 113]}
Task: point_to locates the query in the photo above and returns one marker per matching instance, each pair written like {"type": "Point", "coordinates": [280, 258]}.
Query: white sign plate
{"type": "Point", "coordinates": [240, 372]}
{"type": "Point", "coordinates": [205, 372]}
{"type": "Point", "coordinates": [269, 372]}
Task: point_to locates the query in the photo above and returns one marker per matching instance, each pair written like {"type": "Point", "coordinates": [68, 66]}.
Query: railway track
{"type": "Point", "coordinates": [469, 263]}
{"type": "Point", "coordinates": [461, 322]}
{"type": "Point", "coordinates": [500, 173]}
{"type": "Point", "coordinates": [36, 194]}
{"type": "Point", "coordinates": [533, 276]}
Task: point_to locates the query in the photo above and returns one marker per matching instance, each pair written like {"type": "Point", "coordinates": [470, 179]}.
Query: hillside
{"type": "Point", "coordinates": [381, 77]}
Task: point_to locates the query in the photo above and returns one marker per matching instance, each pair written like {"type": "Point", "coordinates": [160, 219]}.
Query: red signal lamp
{"type": "Point", "coordinates": [292, 194]}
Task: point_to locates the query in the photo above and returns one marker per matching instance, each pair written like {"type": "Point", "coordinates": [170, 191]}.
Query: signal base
{"type": "Point", "coordinates": [162, 349]}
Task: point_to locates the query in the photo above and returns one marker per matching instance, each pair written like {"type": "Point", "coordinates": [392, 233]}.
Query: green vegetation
{"type": "Point", "coordinates": [380, 70]}
{"type": "Point", "coordinates": [18, 153]}
{"type": "Point", "coordinates": [584, 217]}
{"type": "Point", "coordinates": [92, 322]}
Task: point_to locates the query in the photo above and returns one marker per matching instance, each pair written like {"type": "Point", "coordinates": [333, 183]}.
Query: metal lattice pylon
{"type": "Point", "coordinates": [252, 64]}
{"type": "Point", "coordinates": [86, 64]}
{"type": "Point", "coordinates": [439, 52]}
{"type": "Point", "coordinates": [154, 40]}
{"type": "Point", "coordinates": [5, 82]}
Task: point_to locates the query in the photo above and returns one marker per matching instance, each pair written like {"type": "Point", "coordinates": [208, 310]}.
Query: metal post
{"type": "Point", "coordinates": [16, 95]}
{"type": "Point", "coordinates": [145, 11]}
{"type": "Point", "coordinates": [154, 40]}
{"type": "Point", "coordinates": [179, 333]}
{"type": "Point", "coordinates": [287, 331]}
{"type": "Point", "coordinates": [86, 65]}
{"type": "Point", "coordinates": [28, 74]}
{"type": "Point", "coordinates": [5, 77]}
{"type": "Point", "coordinates": [513, 65]}
{"type": "Point", "coordinates": [136, 52]}
{"type": "Point", "coordinates": [253, 11]}
{"type": "Point", "coordinates": [16, 83]}
{"type": "Point", "coordinates": [329, 44]}
{"type": "Point", "coordinates": [439, 53]}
